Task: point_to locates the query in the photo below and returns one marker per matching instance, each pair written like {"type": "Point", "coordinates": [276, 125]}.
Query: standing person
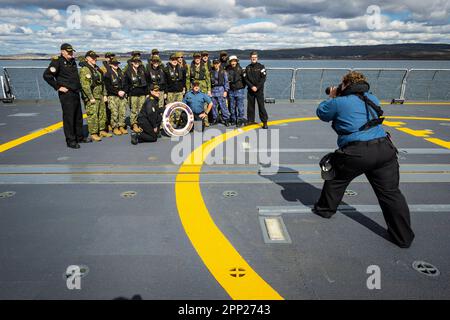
{"type": "Point", "coordinates": [183, 65]}
{"type": "Point", "coordinates": [206, 61]}
{"type": "Point", "coordinates": [219, 90]}
{"type": "Point", "coordinates": [196, 100]}
{"type": "Point", "coordinates": [223, 59]}
{"type": "Point", "coordinates": [62, 75]}
{"type": "Point", "coordinates": [198, 71]}
{"type": "Point", "coordinates": [364, 148]}
{"type": "Point", "coordinates": [255, 77]}
{"type": "Point", "coordinates": [94, 96]}
{"type": "Point", "coordinates": [136, 87]}
{"type": "Point", "coordinates": [117, 102]}
{"type": "Point", "coordinates": [157, 78]}
{"type": "Point", "coordinates": [104, 69]}
{"type": "Point", "coordinates": [176, 82]}
{"type": "Point", "coordinates": [155, 53]}
{"type": "Point", "coordinates": [175, 79]}
{"type": "Point", "coordinates": [149, 120]}
{"type": "Point", "coordinates": [236, 92]}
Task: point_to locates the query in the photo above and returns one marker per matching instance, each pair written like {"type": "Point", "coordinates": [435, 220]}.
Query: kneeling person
{"type": "Point", "coordinates": [196, 100]}
{"type": "Point", "coordinates": [149, 120]}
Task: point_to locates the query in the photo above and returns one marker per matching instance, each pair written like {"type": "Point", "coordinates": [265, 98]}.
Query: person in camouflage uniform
{"type": "Point", "coordinates": [135, 84]}
{"type": "Point", "coordinates": [117, 102]}
{"type": "Point", "coordinates": [94, 96]}
{"type": "Point", "coordinates": [157, 78]}
{"type": "Point", "coordinates": [106, 66]}
{"type": "Point", "coordinates": [199, 71]}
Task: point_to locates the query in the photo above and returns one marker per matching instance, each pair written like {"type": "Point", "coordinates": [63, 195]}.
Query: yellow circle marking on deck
{"type": "Point", "coordinates": [216, 252]}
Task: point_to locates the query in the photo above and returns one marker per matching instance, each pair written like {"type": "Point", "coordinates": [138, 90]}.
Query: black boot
{"type": "Point", "coordinates": [265, 125]}
{"type": "Point", "coordinates": [73, 145]}
{"type": "Point", "coordinates": [134, 138]}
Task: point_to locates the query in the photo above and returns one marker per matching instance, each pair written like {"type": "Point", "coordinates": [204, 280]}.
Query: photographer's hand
{"type": "Point", "coordinates": [333, 92]}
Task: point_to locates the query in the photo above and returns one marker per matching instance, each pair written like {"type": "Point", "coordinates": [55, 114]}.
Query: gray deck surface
{"type": "Point", "coordinates": [68, 210]}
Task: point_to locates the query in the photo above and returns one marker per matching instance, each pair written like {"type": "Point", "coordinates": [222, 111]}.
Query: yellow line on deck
{"type": "Point", "coordinates": [34, 135]}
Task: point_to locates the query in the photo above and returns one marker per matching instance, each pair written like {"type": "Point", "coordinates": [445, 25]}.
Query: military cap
{"type": "Point", "coordinates": [135, 53]}
{"type": "Point", "coordinates": [216, 61]}
{"type": "Point", "coordinates": [67, 47]}
{"type": "Point", "coordinates": [173, 56]}
{"type": "Point", "coordinates": [109, 55]}
{"type": "Point", "coordinates": [155, 87]}
{"type": "Point", "coordinates": [233, 58]}
{"type": "Point", "coordinates": [115, 61]}
{"type": "Point", "coordinates": [196, 55]}
{"type": "Point", "coordinates": [205, 53]}
{"type": "Point", "coordinates": [179, 54]}
{"type": "Point", "coordinates": [155, 58]}
{"type": "Point", "coordinates": [223, 53]}
{"type": "Point", "coordinates": [155, 51]}
{"type": "Point", "coordinates": [91, 54]}
{"type": "Point", "coordinates": [135, 59]}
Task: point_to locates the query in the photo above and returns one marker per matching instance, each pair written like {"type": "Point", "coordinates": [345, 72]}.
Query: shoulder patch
{"type": "Point", "coordinates": [88, 75]}
{"type": "Point", "coordinates": [52, 69]}
{"type": "Point", "coordinates": [153, 108]}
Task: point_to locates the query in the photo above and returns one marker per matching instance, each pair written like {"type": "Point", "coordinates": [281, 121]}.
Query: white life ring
{"type": "Point", "coordinates": [168, 128]}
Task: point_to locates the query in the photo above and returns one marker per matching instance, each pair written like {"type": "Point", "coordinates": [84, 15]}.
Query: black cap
{"type": "Point", "coordinates": [216, 61]}
{"type": "Point", "coordinates": [91, 54]}
{"type": "Point", "coordinates": [67, 47]}
{"type": "Point", "coordinates": [223, 53]}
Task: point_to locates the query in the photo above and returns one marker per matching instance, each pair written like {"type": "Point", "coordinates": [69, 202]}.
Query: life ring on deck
{"type": "Point", "coordinates": [168, 127]}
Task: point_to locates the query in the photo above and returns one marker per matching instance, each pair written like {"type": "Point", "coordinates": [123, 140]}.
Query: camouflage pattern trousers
{"type": "Point", "coordinates": [118, 108]}
{"type": "Point", "coordinates": [136, 104]}
{"type": "Point", "coordinates": [96, 115]}
{"type": "Point", "coordinates": [175, 97]}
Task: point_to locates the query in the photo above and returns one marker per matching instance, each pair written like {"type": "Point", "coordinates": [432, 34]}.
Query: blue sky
{"type": "Point", "coordinates": [30, 26]}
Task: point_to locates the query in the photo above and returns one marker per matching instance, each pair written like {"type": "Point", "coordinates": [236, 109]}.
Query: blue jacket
{"type": "Point", "coordinates": [348, 113]}
{"type": "Point", "coordinates": [196, 101]}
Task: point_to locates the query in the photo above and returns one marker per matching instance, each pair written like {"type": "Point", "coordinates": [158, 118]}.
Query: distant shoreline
{"type": "Point", "coordinates": [406, 51]}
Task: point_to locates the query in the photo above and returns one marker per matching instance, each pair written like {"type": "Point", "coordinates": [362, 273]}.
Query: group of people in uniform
{"type": "Point", "coordinates": [214, 90]}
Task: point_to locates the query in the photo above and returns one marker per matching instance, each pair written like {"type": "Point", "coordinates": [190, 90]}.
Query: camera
{"type": "Point", "coordinates": [338, 90]}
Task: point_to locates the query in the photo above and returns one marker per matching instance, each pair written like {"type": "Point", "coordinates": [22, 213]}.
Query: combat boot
{"type": "Point", "coordinates": [123, 130]}
{"type": "Point", "coordinates": [105, 134]}
{"type": "Point", "coordinates": [95, 137]}
{"type": "Point", "coordinates": [110, 128]}
{"type": "Point", "coordinates": [117, 132]}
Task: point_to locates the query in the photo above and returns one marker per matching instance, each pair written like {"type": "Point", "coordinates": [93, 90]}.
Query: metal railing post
{"type": "Point", "coordinates": [293, 85]}
{"type": "Point", "coordinates": [404, 82]}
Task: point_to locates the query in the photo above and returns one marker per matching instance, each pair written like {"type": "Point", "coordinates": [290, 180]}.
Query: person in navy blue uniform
{"type": "Point", "coordinates": [62, 75]}
{"type": "Point", "coordinates": [364, 148]}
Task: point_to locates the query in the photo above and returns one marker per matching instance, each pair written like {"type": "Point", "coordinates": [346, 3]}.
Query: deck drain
{"type": "Point", "coordinates": [350, 193]}
{"type": "Point", "coordinates": [7, 194]}
{"type": "Point", "coordinates": [426, 268]}
{"type": "Point", "coordinates": [237, 272]}
{"type": "Point", "coordinates": [128, 194]}
{"type": "Point", "coordinates": [230, 193]}
{"type": "Point", "coordinates": [84, 270]}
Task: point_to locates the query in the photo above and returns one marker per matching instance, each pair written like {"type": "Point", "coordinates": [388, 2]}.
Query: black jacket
{"type": "Point", "coordinates": [113, 82]}
{"type": "Point", "coordinates": [156, 77]}
{"type": "Point", "coordinates": [236, 77]}
{"type": "Point", "coordinates": [135, 84]}
{"type": "Point", "coordinates": [150, 117]}
{"type": "Point", "coordinates": [176, 78]}
{"type": "Point", "coordinates": [255, 75]}
{"type": "Point", "coordinates": [63, 73]}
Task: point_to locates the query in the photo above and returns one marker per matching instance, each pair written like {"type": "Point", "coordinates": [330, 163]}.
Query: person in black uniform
{"type": "Point", "coordinates": [364, 148]}
{"type": "Point", "coordinates": [149, 120]}
{"type": "Point", "coordinates": [255, 77]}
{"type": "Point", "coordinates": [62, 75]}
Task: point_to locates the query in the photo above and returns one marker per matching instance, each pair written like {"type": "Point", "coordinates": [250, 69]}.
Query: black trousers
{"type": "Point", "coordinates": [72, 116]}
{"type": "Point", "coordinates": [259, 97]}
{"type": "Point", "coordinates": [376, 159]}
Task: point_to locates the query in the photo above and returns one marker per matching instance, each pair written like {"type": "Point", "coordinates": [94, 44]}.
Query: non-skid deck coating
{"type": "Point", "coordinates": [68, 210]}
